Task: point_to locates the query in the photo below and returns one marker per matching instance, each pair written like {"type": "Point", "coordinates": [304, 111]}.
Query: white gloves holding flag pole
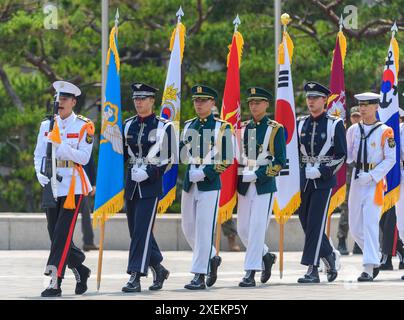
{"type": "Point", "coordinates": [196, 175]}
{"type": "Point", "coordinates": [312, 173]}
{"type": "Point", "coordinates": [139, 174]}
{"type": "Point", "coordinates": [249, 176]}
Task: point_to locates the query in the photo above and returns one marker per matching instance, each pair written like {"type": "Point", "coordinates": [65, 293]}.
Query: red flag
{"type": "Point", "coordinates": [231, 113]}
{"type": "Point", "coordinates": [337, 107]}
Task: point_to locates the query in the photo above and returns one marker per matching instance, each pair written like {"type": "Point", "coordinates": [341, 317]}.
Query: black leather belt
{"type": "Point", "coordinates": [366, 168]}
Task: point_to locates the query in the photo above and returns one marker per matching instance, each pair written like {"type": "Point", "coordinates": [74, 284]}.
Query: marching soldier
{"type": "Point", "coordinates": [263, 156]}
{"type": "Point", "coordinates": [322, 152]}
{"type": "Point", "coordinates": [148, 149]}
{"type": "Point", "coordinates": [72, 139]}
{"type": "Point", "coordinates": [207, 143]}
{"type": "Point", "coordinates": [372, 148]}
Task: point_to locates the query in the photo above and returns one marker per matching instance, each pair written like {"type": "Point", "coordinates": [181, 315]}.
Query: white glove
{"type": "Point", "coordinates": [196, 175]}
{"type": "Point", "coordinates": [365, 179]}
{"type": "Point", "coordinates": [249, 176]}
{"type": "Point", "coordinates": [43, 180]}
{"type": "Point", "coordinates": [54, 143]}
{"type": "Point", "coordinates": [312, 173]}
{"type": "Point", "coordinates": [139, 175]}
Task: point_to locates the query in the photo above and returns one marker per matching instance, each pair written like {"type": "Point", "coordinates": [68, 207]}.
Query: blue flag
{"type": "Point", "coordinates": [389, 114]}
{"type": "Point", "coordinates": [110, 173]}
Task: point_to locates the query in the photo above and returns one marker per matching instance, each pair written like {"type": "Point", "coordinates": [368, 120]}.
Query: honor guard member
{"type": "Point", "coordinates": [372, 148]}
{"type": "Point", "coordinates": [263, 156]}
{"type": "Point", "coordinates": [147, 147]}
{"type": "Point", "coordinates": [207, 146]}
{"type": "Point", "coordinates": [322, 152]}
{"type": "Point", "coordinates": [72, 137]}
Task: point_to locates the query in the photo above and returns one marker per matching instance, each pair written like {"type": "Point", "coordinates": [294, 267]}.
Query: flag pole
{"type": "Point", "coordinates": [281, 238]}
{"type": "Point", "coordinates": [100, 252]}
{"type": "Point", "coordinates": [102, 227]}
{"type": "Point", "coordinates": [236, 23]}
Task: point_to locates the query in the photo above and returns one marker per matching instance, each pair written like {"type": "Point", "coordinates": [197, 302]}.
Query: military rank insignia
{"type": "Point", "coordinates": [89, 139]}
{"type": "Point", "coordinates": [392, 142]}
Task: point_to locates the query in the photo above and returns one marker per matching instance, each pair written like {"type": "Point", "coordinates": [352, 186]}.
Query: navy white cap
{"type": "Point", "coordinates": [367, 98]}
{"type": "Point", "coordinates": [141, 90]}
{"type": "Point", "coordinates": [66, 89]}
{"type": "Point", "coordinates": [315, 89]}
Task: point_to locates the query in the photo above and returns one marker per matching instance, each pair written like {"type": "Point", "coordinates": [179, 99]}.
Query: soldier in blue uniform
{"type": "Point", "coordinates": [208, 148]}
{"type": "Point", "coordinates": [263, 157]}
{"type": "Point", "coordinates": [322, 152]}
{"type": "Point", "coordinates": [148, 149]}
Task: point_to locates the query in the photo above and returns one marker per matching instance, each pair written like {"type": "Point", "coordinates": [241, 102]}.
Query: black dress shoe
{"type": "Point", "coordinates": [365, 277]}
{"type": "Point", "coordinates": [375, 272]}
{"type": "Point", "coordinates": [214, 265]}
{"type": "Point", "coordinates": [385, 262]}
{"type": "Point", "coordinates": [342, 247]}
{"type": "Point", "coordinates": [160, 274]}
{"type": "Point", "coordinates": [133, 285]}
{"type": "Point", "coordinates": [402, 277]}
{"type": "Point", "coordinates": [54, 290]}
{"type": "Point", "coordinates": [331, 270]}
{"type": "Point", "coordinates": [89, 247]}
{"type": "Point", "coordinates": [197, 283]}
{"type": "Point", "coordinates": [311, 276]}
{"type": "Point", "coordinates": [356, 249]}
{"type": "Point", "coordinates": [82, 273]}
{"type": "Point", "coordinates": [248, 280]}
{"type": "Point", "coordinates": [269, 260]}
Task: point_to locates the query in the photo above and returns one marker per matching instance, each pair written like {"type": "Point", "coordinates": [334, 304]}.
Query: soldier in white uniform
{"type": "Point", "coordinates": [372, 148]}
{"type": "Point", "coordinates": [207, 142]}
{"type": "Point", "coordinates": [72, 138]}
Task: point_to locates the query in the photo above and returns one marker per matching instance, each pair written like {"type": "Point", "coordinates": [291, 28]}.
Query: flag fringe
{"type": "Point", "coordinates": [342, 46]}
{"type": "Point", "coordinates": [112, 45]}
{"type": "Point", "coordinates": [396, 53]}
{"type": "Point", "coordinates": [281, 49]}
{"type": "Point", "coordinates": [282, 216]}
{"type": "Point", "coordinates": [182, 31]}
{"type": "Point", "coordinates": [167, 201]}
{"type": "Point", "coordinates": [390, 199]}
{"type": "Point", "coordinates": [240, 46]}
{"type": "Point", "coordinates": [226, 211]}
{"type": "Point", "coordinates": [108, 209]}
{"type": "Point", "coordinates": [337, 199]}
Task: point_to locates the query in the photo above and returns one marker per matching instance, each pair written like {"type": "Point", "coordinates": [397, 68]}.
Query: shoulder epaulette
{"type": "Point", "coordinates": [274, 123]}
{"type": "Point", "coordinates": [83, 118]}
{"type": "Point", "coordinates": [190, 120]}
{"type": "Point", "coordinates": [245, 123]}
{"type": "Point", "coordinates": [126, 120]}
{"type": "Point", "coordinates": [329, 116]}
{"type": "Point", "coordinates": [302, 118]}
{"type": "Point", "coordinates": [220, 120]}
{"type": "Point", "coordinates": [162, 119]}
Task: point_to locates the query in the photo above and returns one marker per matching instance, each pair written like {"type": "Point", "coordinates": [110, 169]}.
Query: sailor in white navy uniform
{"type": "Point", "coordinates": [72, 151]}
{"type": "Point", "coordinates": [148, 150]}
{"type": "Point", "coordinates": [372, 148]}
{"type": "Point", "coordinates": [322, 152]}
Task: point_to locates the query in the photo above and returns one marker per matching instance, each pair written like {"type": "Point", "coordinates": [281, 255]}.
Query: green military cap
{"type": "Point", "coordinates": [200, 91]}
{"type": "Point", "coordinates": [355, 111]}
{"type": "Point", "coordinates": [256, 93]}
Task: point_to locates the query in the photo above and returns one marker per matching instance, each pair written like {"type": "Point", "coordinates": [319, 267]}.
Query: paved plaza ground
{"type": "Point", "coordinates": [21, 278]}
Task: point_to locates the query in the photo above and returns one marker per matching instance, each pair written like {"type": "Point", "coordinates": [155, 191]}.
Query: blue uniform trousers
{"type": "Point", "coordinates": [144, 251]}
{"type": "Point", "coordinates": [313, 217]}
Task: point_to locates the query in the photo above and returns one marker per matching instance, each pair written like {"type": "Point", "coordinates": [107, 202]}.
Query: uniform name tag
{"type": "Point", "coordinates": [72, 135]}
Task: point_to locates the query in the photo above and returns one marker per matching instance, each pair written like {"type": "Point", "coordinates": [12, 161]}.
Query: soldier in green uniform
{"type": "Point", "coordinates": [207, 147]}
{"type": "Point", "coordinates": [263, 155]}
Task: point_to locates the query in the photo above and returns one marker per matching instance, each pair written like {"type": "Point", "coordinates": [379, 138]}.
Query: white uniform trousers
{"type": "Point", "coordinates": [400, 208]}
{"type": "Point", "coordinates": [364, 216]}
{"type": "Point", "coordinates": [199, 214]}
{"type": "Point", "coordinates": [253, 217]}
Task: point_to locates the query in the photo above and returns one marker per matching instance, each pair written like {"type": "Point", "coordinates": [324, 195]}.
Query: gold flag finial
{"type": "Point", "coordinates": [285, 19]}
